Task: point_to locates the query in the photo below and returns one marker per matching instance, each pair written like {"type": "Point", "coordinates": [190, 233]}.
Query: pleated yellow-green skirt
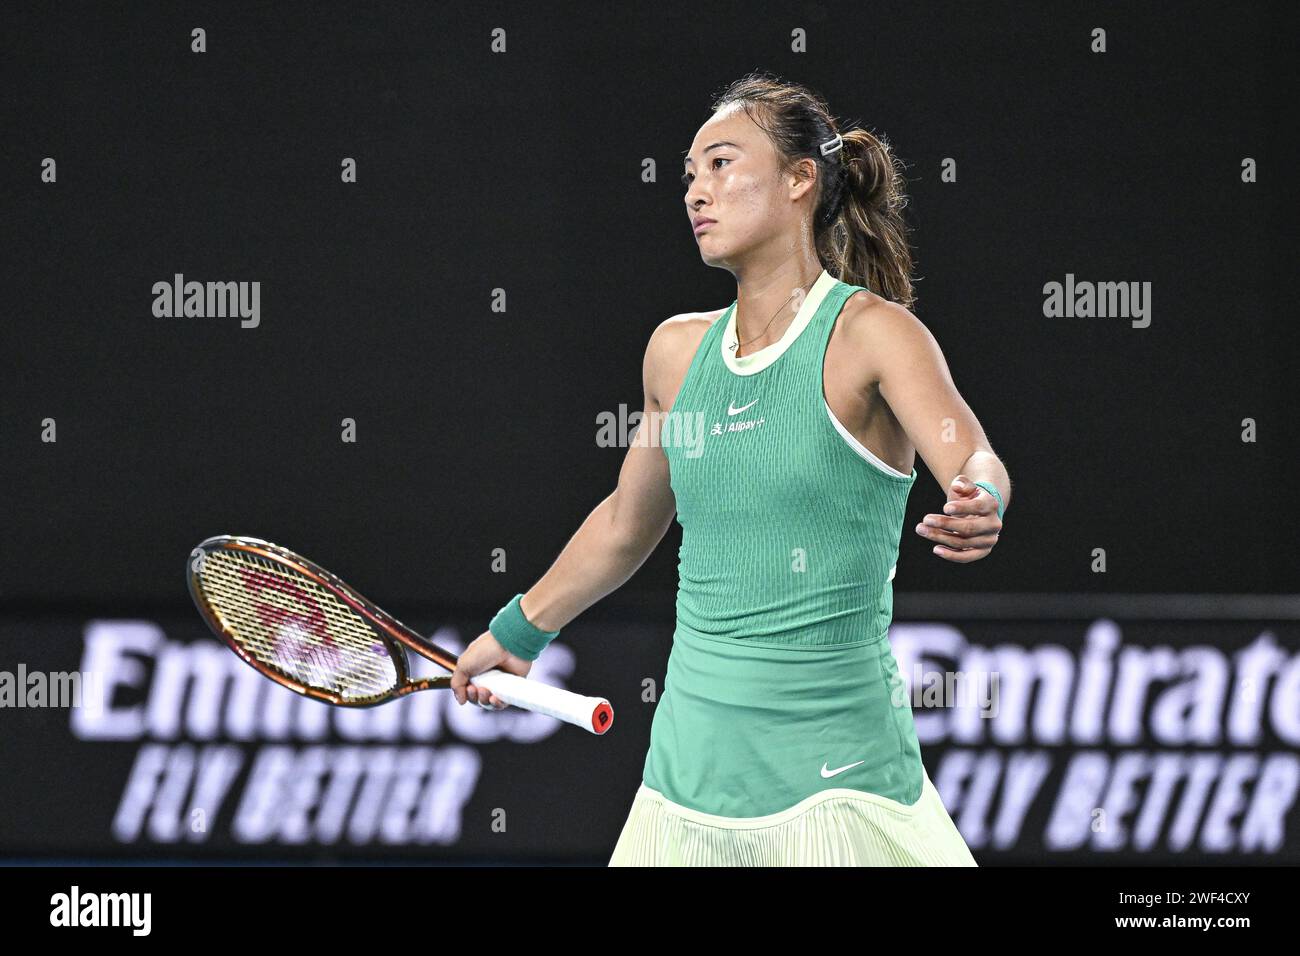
{"type": "Point", "coordinates": [836, 827]}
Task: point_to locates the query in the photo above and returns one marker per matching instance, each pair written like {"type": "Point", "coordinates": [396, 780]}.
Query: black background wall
{"type": "Point", "coordinates": [522, 171]}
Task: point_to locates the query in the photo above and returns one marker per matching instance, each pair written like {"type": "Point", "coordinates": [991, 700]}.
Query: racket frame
{"type": "Point", "coordinates": [397, 637]}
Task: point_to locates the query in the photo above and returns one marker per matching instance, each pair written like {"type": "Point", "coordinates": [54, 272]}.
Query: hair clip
{"type": "Point", "coordinates": [831, 145]}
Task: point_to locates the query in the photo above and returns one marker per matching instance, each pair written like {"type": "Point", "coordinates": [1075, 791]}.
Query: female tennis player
{"type": "Point", "coordinates": [782, 432]}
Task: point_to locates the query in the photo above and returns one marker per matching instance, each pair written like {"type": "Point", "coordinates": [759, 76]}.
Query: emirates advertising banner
{"type": "Point", "coordinates": [1088, 739]}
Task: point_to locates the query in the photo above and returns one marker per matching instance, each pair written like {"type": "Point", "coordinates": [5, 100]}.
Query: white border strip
{"type": "Point", "coordinates": [857, 446]}
{"type": "Point", "coordinates": [757, 361]}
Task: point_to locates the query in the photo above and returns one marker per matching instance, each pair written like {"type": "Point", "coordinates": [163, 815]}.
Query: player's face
{"type": "Point", "coordinates": [732, 177]}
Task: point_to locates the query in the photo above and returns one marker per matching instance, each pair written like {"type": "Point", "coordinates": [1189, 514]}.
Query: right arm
{"type": "Point", "coordinates": [619, 534]}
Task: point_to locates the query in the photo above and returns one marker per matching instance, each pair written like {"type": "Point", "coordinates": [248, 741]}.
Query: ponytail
{"type": "Point", "coordinates": [866, 240]}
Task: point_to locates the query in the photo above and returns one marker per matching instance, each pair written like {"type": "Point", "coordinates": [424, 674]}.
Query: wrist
{"type": "Point", "coordinates": [518, 635]}
{"type": "Point", "coordinates": [539, 615]}
{"type": "Point", "coordinates": [997, 495]}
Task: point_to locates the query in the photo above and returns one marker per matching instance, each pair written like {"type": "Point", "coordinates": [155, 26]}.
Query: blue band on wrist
{"type": "Point", "coordinates": [993, 490]}
{"type": "Point", "coordinates": [516, 633]}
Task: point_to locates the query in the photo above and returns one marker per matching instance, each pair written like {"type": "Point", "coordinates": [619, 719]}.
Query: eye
{"type": "Point", "coordinates": [687, 178]}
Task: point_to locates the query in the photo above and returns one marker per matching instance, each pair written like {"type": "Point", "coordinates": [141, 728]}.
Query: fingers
{"type": "Point", "coordinates": [484, 653]}
{"type": "Point", "coordinates": [961, 538]}
{"type": "Point", "coordinates": [459, 681]}
{"type": "Point", "coordinates": [964, 556]}
{"type": "Point", "coordinates": [964, 486]}
{"type": "Point", "coordinates": [485, 698]}
{"type": "Point", "coordinates": [960, 531]}
{"type": "Point", "coordinates": [461, 688]}
{"type": "Point", "coordinates": [479, 656]}
{"type": "Point", "coordinates": [983, 504]}
{"type": "Point", "coordinates": [464, 691]}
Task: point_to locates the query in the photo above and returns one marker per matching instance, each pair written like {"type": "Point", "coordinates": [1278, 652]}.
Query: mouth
{"type": "Point", "coordinates": [703, 224]}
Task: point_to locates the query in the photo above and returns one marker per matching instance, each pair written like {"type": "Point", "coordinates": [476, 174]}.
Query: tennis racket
{"type": "Point", "coordinates": [305, 629]}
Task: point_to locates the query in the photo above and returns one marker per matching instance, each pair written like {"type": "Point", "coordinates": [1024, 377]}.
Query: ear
{"type": "Point", "coordinates": [803, 179]}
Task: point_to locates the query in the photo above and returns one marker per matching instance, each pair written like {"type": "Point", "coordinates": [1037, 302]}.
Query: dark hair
{"type": "Point", "coordinates": [858, 225]}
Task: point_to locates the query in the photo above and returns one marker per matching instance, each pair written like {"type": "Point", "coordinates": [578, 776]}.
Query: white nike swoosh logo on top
{"type": "Point", "coordinates": [832, 773]}
{"type": "Point", "coordinates": [733, 410]}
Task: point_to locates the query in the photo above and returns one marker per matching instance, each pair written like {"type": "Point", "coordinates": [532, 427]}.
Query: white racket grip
{"type": "Point", "coordinates": [593, 714]}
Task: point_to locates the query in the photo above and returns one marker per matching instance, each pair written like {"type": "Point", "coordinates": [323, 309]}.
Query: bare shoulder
{"type": "Point", "coordinates": [682, 333]}
{"type": "Point", "coordinates": [671, 348]}
{"type": "Point", "coordinates": [872, 329]}
{"type": "Point", "coordinates": [867, 316]}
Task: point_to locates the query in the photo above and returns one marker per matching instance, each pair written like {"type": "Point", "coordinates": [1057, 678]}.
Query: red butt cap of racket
{"type": "Point", "coordinates": [602, 718]}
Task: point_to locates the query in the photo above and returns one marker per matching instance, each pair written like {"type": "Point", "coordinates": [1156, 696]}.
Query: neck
{"type": "Point", "coordinates": [768, 298]}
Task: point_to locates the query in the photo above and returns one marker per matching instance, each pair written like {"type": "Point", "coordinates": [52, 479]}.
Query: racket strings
{"type": "Point", "coordinates": [295, 626]}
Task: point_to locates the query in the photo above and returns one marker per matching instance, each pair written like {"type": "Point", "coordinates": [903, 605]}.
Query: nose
{"type": "Point", "coordinates": [695, 198]}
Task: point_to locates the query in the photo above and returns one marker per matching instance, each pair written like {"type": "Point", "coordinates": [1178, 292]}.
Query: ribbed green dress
{"type": "Point", "coordinates": [784, 734]}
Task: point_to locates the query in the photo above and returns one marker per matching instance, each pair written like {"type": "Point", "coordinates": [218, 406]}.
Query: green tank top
{"type": "Point", "coordinates": [781, 682]}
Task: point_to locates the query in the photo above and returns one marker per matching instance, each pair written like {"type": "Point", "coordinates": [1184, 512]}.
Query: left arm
{"type": "Point", "coordinates": [906, 364]}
